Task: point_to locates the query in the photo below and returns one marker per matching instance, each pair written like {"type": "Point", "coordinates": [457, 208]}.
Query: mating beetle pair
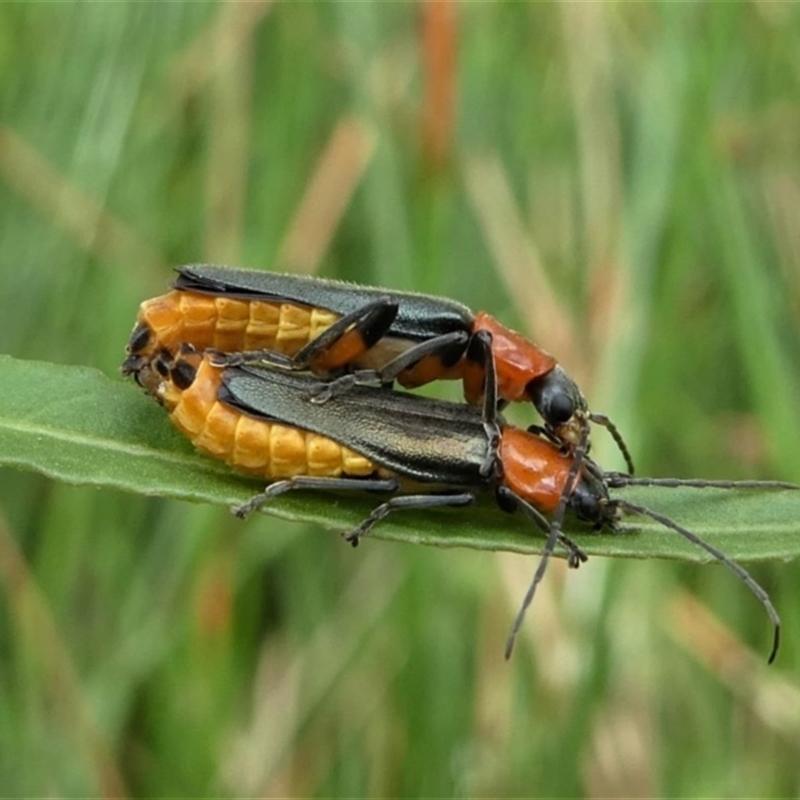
{"type": "Point", "coordinates": [360, 333]}
{"type": "Point", "coordinates": [247, 406]}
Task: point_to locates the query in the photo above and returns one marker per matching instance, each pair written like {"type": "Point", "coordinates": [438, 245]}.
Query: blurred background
{"type": "Point", "coordinates": [619, 181]}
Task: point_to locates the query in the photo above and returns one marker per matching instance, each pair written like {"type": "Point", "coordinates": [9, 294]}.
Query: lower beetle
{"type": "Point", "coordinates": [424, 453]}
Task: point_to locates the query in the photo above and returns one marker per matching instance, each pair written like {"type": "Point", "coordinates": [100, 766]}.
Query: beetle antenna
{"type": "Point", "coordinates": [617, 480]}
{"type": "Point", "coordinates": [718, 555]}
{"type": "Point", "coordinates": [602, 419]}
{"type": "Point", "coordinates": [552, 537]}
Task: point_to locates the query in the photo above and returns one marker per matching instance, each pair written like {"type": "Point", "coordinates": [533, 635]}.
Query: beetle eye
{"type": "Point", "coordinates": [587, 507]}
{"type": "Point", "coordinates": [591, 503]}
{"type": "Point", "coordinates": [556, 397]}
{"type": "Point", "coordinates": [560, 409]}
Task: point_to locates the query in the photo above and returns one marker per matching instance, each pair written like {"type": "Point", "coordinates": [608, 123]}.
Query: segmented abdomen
{"type": "Point", "coordinates": [229, 324]}
{"type": "Point", "coordinates": [255, 446]}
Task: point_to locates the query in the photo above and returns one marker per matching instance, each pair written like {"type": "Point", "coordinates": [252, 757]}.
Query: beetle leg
{"type": "Point", "coordinates": [314, 483]}
{"type": "Point", "coordinates": [406, 501]}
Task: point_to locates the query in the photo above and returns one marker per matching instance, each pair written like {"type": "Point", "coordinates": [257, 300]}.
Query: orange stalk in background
{"type": "Point", "coordinates": [439, 76]}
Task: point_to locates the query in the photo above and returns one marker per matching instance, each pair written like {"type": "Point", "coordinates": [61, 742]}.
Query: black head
{"type": "Point", "coordinates": [591, 503]}
{"type": "Point", "coordinates": [560, 403]}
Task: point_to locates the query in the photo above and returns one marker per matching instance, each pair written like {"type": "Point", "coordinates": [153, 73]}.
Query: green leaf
{"type": "Point", "coordinates": [79, 426]}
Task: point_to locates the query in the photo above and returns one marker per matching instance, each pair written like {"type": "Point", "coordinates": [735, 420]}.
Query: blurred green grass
{"type": "Point", "coordinates": [621, 181]}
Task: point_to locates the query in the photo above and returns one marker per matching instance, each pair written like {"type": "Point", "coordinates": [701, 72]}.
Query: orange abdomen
{"type": "Point", "coordinates": [228, 324]}
{"type": "Point", "coordinates": [251, 445]}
